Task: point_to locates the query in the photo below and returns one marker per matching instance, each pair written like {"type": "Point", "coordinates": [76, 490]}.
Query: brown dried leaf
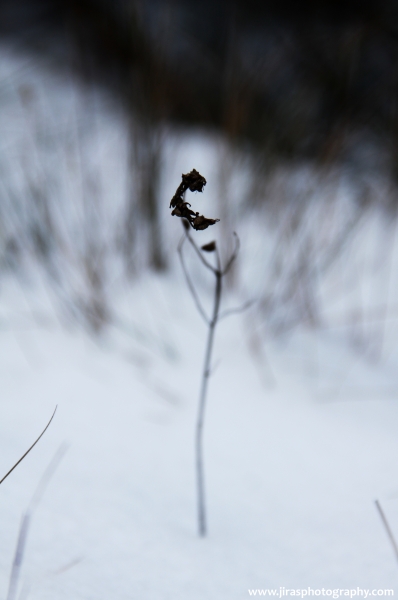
{"type": "Point", "coordinates": [200, 222]}
{"type": "Point", "coordinates": [210, 247]}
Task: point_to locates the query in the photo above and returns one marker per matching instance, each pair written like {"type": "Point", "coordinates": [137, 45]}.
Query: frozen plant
{"type": "Point", "coordinates": [194, 182]}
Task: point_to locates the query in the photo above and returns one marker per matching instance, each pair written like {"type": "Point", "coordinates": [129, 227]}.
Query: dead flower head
{"type": "Point", "coordinates": [194, 182]}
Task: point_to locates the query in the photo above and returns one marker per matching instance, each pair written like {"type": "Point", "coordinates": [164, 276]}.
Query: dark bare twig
{"type": "Point", "coordinates": [200, 254]}
{"type": "Point", "coordinates": [387, 528]}
{"type": "Point", "coordinates": [219, 273]}
{"type": "Point", "coordinates": [32, 446]}
{"type": "Point", "coordinates": [18, 557]}
{"type": "Point", "coordinates": [211, 323]}
{"type": "Point", "coordinates": [237, 310]}
{"type": "Point", "coordinates": [202, 405]}
{"type": "Point", "coordinates": [233, 255]}
{"type": "Point", "coordinates": [191, 287]}
{"type": "Point", "coordinates": [218, 260]}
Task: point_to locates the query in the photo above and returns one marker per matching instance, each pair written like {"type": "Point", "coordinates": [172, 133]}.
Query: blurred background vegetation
{"type": "Point", "coordinates": [302, 98]}
{"type": "Point", "coordinates": [292, 79]}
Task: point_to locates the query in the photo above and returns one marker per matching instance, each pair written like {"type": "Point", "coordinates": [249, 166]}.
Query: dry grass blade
{"type": "Point", "coordinates": [32, 446]}
{"type": "Point", "coordinates": [26, 520]}
{"type": "Point", "coordinates": [387, 528]}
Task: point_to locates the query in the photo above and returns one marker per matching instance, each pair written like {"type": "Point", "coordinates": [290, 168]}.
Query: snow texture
{"type": "Point", "coordinates": [300, 432]}
{"type": "Point", "coordinates": [292, 470]}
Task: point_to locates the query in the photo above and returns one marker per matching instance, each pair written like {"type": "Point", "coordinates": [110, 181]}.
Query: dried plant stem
{"type": "Point", "coordinates": [32, 446]}
{"type": "Point", "coordinates": [26, 521]}
{"type": "Point", "coordinates": [195, 182]}
{"type": "Point", "coordinates": [202, 405]}
{"type": "Point", "coordinates": [387, 528]}
{"type": "Point", "coordinates": [211, 322]}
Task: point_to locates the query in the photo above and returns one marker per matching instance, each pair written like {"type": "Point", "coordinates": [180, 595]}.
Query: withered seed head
{"type": "Point", "coordinates": [193, 182]}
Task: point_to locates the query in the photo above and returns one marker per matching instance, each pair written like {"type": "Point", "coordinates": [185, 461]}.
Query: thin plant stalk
{"type": "Point", "coordinates": [31, 448]}
{"type": "Point", "coordinates": [202, 404]}
{"type": "Point", "coordinates": [387, 528]}
{"type": "Point", "coordinates": [211, 322]}
{"type": "Point", "coordinates": [195, 182]}
{"type": "Point", "coordinates": [26, 521]}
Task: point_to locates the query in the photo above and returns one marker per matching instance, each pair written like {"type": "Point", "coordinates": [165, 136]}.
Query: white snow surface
{"type": "Point", "coordinates": [299, 442]}
{"type": "Point", "coordinates": [300, 433]}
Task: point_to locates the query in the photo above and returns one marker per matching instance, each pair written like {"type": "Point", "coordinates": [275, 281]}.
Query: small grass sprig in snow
{"type": "Point", "coordinates": [31, 448]}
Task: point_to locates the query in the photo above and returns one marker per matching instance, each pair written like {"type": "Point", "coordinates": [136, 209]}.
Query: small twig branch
{"type": "Point", "coordinates": [237, 310]}
{"type": "Point", "coordinates": [32, 446]}
{"type": "Point", "coordinates": [200, 254]}
{"type": "Point", "coordinates": [219, 273]}
{"type": "Point", "coordinates": [191, 287]}
{"type": "Point", "coordinates": [387, 528]}
{"type": "Point", "coordinates": [18, 557]}
{"type": "Point", "coordinates": [218, 261]}
{"type": "Point", "coordinates": [233, 255]}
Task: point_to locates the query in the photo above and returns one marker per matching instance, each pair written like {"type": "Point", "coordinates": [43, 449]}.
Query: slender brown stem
{"type": "Point", "coordinates": [237, 310]}
{"type": "Point", "coordinates": [191, 286]}
{"type": "Point", "coordinates": [27, 519]}
{"type": "Point", "coordinates": [387, 528]}
{"type": "Point", "coordinates": [202, 521]}
{"type": "Point", "coordinates": [233, 255]}
{"type": "Point", "coordinates": [32, 446]}
{"type": "Point", "coordinates": [18, 557]}
{"type": "Point", "coordinates": [200, 255]}
{"type": "Point", "coordinates": [219, 273]}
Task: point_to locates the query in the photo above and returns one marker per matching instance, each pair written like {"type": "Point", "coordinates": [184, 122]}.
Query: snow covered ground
{"type": "Point", "coordinates": [301, 430]}
{"type": "Point", "coordinates": [300, 440]}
